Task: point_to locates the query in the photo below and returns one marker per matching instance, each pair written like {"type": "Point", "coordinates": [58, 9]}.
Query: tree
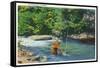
{"type": "Point", "coordinates": [55, 21]}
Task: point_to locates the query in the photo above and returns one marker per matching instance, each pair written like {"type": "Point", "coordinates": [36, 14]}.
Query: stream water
{"type": "Point", "coordinates": [73, 50]}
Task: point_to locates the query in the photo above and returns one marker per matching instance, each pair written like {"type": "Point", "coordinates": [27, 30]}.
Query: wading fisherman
{"type": "Point", "coordinates": [54, 48]}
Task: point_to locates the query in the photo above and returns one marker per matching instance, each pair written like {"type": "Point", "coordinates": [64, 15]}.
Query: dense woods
{"type": "Point", "coordinates": [55, 21]}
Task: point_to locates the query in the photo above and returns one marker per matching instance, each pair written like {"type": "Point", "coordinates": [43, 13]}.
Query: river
{"type": "Point", "coordinates": [73, 50]}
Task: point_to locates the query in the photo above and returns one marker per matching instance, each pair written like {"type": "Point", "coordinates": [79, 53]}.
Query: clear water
{"type": "Point", "coordinates": [73, 50]}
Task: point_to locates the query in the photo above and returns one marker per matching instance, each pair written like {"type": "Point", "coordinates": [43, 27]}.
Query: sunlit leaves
{"type": "Point", "coordinates": [57, 21]}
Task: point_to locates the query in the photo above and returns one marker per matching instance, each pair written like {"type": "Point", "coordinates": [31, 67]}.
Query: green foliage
{"type": "Point", "coordinates": [54, 21]}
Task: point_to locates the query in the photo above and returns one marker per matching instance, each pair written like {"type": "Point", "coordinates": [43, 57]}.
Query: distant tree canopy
{"type": "Point", "coordinates": [54, 21]}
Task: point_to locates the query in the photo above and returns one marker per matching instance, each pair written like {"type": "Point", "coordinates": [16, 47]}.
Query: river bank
{"type": "Point", "coordinates": [83, 37]}
{"type": "Point", "coordinates": [25, 56]}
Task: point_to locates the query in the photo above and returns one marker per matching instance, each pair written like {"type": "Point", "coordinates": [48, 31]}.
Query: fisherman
{"type": "Point", "coordinates": [54, 48]}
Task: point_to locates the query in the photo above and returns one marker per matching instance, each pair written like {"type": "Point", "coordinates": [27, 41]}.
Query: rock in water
{"type": "Point", "coordinates": [64, 54]}
{"type": "Point", "coordinates": [43, 58]}
{"type": "Point", "coordinates": [37, 58]}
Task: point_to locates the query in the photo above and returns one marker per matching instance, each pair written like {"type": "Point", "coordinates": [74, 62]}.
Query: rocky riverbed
{"type": "Point", "coordinates": [83, 37]}
{"type": "Point", "coordinates": [25, 56]}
